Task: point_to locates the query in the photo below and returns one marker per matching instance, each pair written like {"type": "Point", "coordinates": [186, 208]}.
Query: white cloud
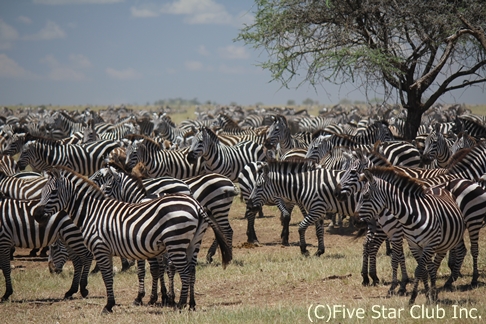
{"type": "Point", "coordinates": [144, 12]}
{"type": "Point", "coordinates": [126, 74]}
{"type": "Point", "coordinates": [193, 65]}
{"type": "Point", "coordinates": [10, 69]}
{"type": "Point", "coordinates": [7, 35]}
{"type": "Point", "coordinates": [202, 50]}
{"type": "Point", "coordinates": [25, 20]}
{"type": "Point", "coordinates": [79, 61]}
{"type": "Point", "coordinates": [50, 31]}
{"type": "Point", "coordinates": [67, 72]}
{"type": "Point", "coordinates": [194, 12]}
{"type": "Point", "coordinates": [233, 52]}
{"type": "Point", "coordinates": [69, 2]}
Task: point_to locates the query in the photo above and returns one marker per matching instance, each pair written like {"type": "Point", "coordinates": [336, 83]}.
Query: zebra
{"type": "Point", "coordinates": [279, 133]}
{"type": "Point", "coordinates": [432, 222]}
{"type": "Point", "coordinates": [469, 197]}
{"type": "Point", "coordinates": [165, 127]}
{"type": "Point", "coordinates": [437, 148]}
{"type": "Point", "coordinates": [158, 162]}
{"type": "Point", "coordinates": [173, 223]}
{"type": "Point", "coordinates": [247, 181]}
{"type": "Point", "coordinates": [222, 159]}
{"type": "Point", "coordinates": [308, 186]}
{"type": "Point", "coordinates": [19, 229]}
{"type": "Point", "coordinates": [84, 158]}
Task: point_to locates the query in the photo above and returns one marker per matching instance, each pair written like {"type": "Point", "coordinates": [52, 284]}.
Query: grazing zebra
{"type": "Point", "coordinates": [84, 158]}
{"type": "Point", "coordinates": [432, 222]}
{"type": "Point", "coordinates": [158, 162]}
{"type": "Point", "coordinates": [19, 229]}
{"type": "Point", "coordinates": [304, 184]}
{"type": "Point", "coordinates": [222, 159]}
{"type": "Point", "coordinates": [174, 224]}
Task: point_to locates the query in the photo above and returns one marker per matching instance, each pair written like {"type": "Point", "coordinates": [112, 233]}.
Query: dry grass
{"type": "Point", "coordinates": [265, 284]}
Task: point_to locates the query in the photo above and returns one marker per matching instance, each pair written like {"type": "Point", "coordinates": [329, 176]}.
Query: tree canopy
{"type": "Point", "coordinates": [415, 50]}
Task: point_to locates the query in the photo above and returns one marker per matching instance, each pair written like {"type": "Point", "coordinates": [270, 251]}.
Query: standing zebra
{"type": "Point", "coordinates": [158, 162]}
{"type": "Point", "coordinates": [174, 224]}
{"type": "Point", "coordinates": [432, 222]}
{"type": "Point", "coordinates": [19, 229]}
{"type": "Point", "coordinates": [83, 158]}
{"type": "Point", "coordinates": [222, 159]}
{"type": "Point", "coordinates": [308, 186]}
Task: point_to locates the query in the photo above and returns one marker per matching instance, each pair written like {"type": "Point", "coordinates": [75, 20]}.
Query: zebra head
{"type": "Point", "coordinates": [276, 132]}
{"type": "Point", "coordinates": [371, 200]}
{"type": "Point", "coordinates": [132, 156]}
{"type": "Point", "coordinates": [13, 143]}
{"type": "Point", "coordinates": [201, 144]}
{"type": "Point", "coordinates": [27, 155]}
{"type": "Point", "coordinates": [319, 147]}
{"type": "Point", "coordinates": [259, 194]}
{"type": "Point", "coordinates": [52, 200]}
{"type": "Point", "coordinates": [350, 183]}
{"type": "Point", "coordinates": [432, 144]}
{"type": "Point", "coordinates": [58, 256]}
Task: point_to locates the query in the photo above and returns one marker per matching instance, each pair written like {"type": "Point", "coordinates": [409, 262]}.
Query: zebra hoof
{"type": "Point", "coordinates": [106, 311]}
{"type": "Point", "coordinates": [137, 303]}
{"type": "Point", "coordinates": [84, 293]}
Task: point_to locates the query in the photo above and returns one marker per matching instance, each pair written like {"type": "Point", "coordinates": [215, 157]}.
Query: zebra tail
{"type": "Point", "coordinates": [225, 248]}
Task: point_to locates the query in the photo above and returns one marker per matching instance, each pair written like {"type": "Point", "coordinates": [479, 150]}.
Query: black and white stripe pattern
{"type": "Point", "coordinates": [222, 159]}
{"type": "Point", "coordinates": [174, 224]}
{"type": "Point", "coordinates": [19, 229]}
{"type": "Point", "coordinates": [432, 222]}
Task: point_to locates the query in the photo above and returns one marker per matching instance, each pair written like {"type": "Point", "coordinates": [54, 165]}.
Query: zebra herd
{"type": "Point", "coordinates": [136, 185]}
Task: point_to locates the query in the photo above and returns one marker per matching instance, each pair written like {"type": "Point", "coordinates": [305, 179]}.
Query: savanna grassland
{"type": "Point", "coordinates": [265, 283]}
{"type": "Point", "coordinates": [269, 283]}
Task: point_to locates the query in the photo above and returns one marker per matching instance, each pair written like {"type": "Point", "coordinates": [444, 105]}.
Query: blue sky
{"type": "Point", "coordinates": [101, 52]}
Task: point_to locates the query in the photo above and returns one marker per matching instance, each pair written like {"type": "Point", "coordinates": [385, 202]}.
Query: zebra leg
{"type": "Point", "coordinates": [88, 259]}
{"type": "Point", "coordinates": [260, 212]}
{"type": "Point", "coordinates": [126, 264]}
{"type": "Point", "coordinates": [285, 221]}
{"type": "Point", "coordinates": [192, 282]}
{"type": "Point", "coordinates": [398, 258]}
{"type": "Point", "coordinates": [250, 230]}
{"type": "Point", "coordinates": [141, 283]}
{"type": "Point", "coordinates": [421, 272]}
{"type": "Point", "coordinates": [460, 252]}
{"type": "Point", "coordinates": [320, 237]}
{"type": "Point", "coordinates": [373, 247]}
{"type": "Point", "coordinates": [389, 251]}
{"type": "Point", "coordinates": [5, 265]}
{"type": "Point", "coordinates": [212, 251]}
{"type": "Point", "coordinates": [186, 276]}
{"type": "Point", "coordinates": [171, 274]}
{"type": "Point", "coordinates": [105, 264]}
{"type": "Point", "coordinates": [155, 273]}
{"type": "Point", "coordinates": [163, 268]}
{"type": "Point", "coordinates": [43, 251]}
{"type": "Point", "coordinates": [475, 254]}
{"type": "Point", "coordinates": [33, 252]}
{"type": "Point", "coordinates": [12, 251]}
{"type": "Point", "coordinates": [78, 268]}
{"type": "Point", "coordinates": [364, 265]}
{"type": "Point", "coordinates": [432, 293]}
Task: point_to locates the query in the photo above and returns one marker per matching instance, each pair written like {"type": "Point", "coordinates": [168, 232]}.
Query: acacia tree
{"type": "Point", "coordinates": [414, 49]}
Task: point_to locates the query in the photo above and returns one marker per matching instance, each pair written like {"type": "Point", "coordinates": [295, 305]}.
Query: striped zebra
{"type": "Point", "coordinates": [83, 158]}
{"type": "Point", "coordinates": [432, 222]}
{"type": "Point", "coordinates": [437, 148]}
{"type": "Point", "coordinates": [247, 181]}
{"type": "Point", "coordinates": [303, 184]}
{"type": "Point", "coordinates": [174, 224]}
{"type": "Point", "coordinates": [469, 197]}
{"type": "Point", "coordinates": [222, 159]}
{"type": "Point", "coordinates": [279, 133]}
{"type": "Point", "coordinates": [19, 229]}
{"type": "Point", "coordinates": [158, 162]}
{"type": "Point", "coordinates": [165, 127]}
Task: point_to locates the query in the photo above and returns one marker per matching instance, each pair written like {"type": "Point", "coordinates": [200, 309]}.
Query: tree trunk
{"type": "Point", "coordinates": [412, 124]}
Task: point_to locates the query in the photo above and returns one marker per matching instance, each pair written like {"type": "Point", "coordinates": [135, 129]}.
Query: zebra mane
{"type": "Point", "coordinates": [398, 178]}
{"type": "Point", "coordinates": [148, 141]}
{"type": "Point", "coordinates": [212, 135]}
{"type": "Point", "coordinates": [290, 166]}
{"type": "Point", "coordinates": [166, 118]}
{"type": "Point", "coordinates": [60, 170]}
{"type": "Point", "coordinates": [120, 169]}
{"type": "Point", "coordinates": [464, 156]}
